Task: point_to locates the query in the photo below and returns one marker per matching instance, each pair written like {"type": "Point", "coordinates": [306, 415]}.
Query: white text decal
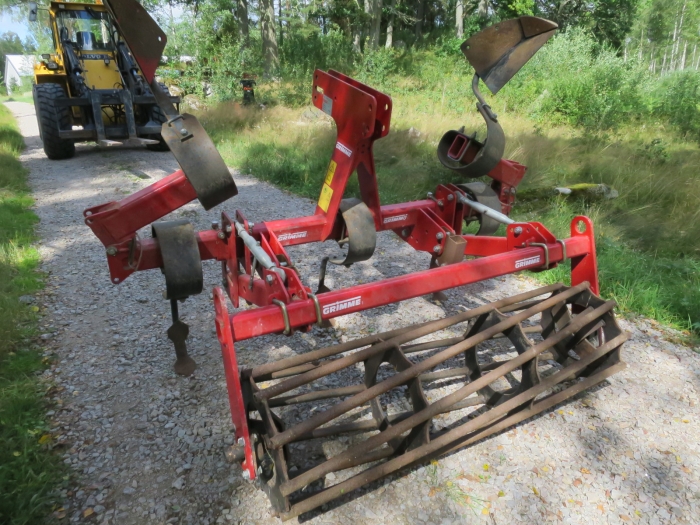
{"type": "Point", "coordinates": [342, 305]}
{"type": "Point", "coordinates": [395, 218]}
{"type": "Point", "coordinates": [527, 262]}
{"type": "Point", "coordinates": [344, 149]}
{"type": "Point", "coordinates": [290, 236]}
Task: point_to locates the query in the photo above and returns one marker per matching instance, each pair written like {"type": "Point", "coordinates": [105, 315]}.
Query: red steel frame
{"type": "Point", "coordinates": [362, 115]}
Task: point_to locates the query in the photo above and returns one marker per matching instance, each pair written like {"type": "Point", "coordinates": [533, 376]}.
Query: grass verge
{"type": "Point", "coordinates": [29, 472]}
{"type": "Point", "coordinates": [648, 238]}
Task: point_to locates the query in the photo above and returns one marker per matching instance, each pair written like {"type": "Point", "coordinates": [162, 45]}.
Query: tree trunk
{"type": "Point", "coordinates": [356, 39]}
{"type": "Point", "coordinates": [420, 12]}
{"type": "Point", "coordinates": [279, 20]}
{"type": "Point", "coordinates": [269, 38]}
{"type": "Point", "coordinates": [459, 19]}
{"type": "Point", "coordinates": [482, 11]}
{"type": "Point", "coordinates": [685, 50]}
{"type": "Point", "coordinates": [242, 15]}
{"type": "Point", "coordinates": [390, 26]}
{"type": "Point", "coordinates": [376, 24]}
{"type": "Point", "coordinates": [367, 29]}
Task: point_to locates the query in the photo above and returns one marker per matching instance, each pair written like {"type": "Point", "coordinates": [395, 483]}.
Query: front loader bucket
{"type": "Point", "coordinates": [498, 52]}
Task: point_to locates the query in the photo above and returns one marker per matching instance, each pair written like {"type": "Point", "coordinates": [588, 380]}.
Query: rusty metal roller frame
{"type": "Point", "coordinates": [469, 376]}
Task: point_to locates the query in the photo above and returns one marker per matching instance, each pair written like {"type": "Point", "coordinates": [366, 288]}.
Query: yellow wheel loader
{"type": "Point", "coordinates": [91, 88]}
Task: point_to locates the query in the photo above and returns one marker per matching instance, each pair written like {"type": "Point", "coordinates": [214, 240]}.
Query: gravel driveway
{"type": "Point", "coordinates": [146, 446]}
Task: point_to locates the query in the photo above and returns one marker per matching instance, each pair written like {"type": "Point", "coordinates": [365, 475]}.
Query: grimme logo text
{"type": "Point", "coordinates": [290, 236]}
{"type": "Point", "coordinates": [527, 262]}
{"type": "Point", "coordinates": [342, 305]}
{"type": "Point", "coordinates": [395, 218]}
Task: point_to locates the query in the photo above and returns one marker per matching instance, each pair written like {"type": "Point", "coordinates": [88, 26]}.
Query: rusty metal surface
{"type": "Point", "coordinates": [359, 231]}
{"type": "Point", "coordinates": [177, 333]}
{"type": "Point", "coordinates": [498, 52]}
{"type": "Point", "coordinates": [506, 367]}
{"type": "Point", "coordinates": [200, 160]}
{"type": "Point", "coordinates": [182, 265]}
{"type": "Point", "coordinates": [474, 159]}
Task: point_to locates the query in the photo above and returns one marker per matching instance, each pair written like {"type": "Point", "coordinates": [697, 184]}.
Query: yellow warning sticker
{"type": "Point", "coordinates": [330, 172]}
{"type": "Point", "coordinates": [325, 199]}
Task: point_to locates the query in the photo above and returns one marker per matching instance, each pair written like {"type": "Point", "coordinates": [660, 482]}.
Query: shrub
{"type": "Point", "coordinates": [599, 90]}
{"type": "Point", "coordinates": [676, 99]}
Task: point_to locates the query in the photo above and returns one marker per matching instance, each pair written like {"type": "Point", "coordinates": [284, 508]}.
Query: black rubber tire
{"type": "Point", "coordinates": [49, 118]}
{"type": "Point", "coordinates": [158, 116]}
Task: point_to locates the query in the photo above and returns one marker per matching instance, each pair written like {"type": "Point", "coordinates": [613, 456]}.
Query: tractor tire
{"type": "Point", "coordinates": [158, 116]}
{"type": "Point", "coordinates": [49, 118]}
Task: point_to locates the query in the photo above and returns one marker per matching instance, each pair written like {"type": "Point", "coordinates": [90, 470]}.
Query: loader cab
{"type": "Point", "coordinates": [88, 30]}
{"type": "Point", "coordinates": [90, 33]}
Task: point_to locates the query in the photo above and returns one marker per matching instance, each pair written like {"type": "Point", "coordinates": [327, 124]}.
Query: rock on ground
{"type": "Point", "coordinates": [147, 446]}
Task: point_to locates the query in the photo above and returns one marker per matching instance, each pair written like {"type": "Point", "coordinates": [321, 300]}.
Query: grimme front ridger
{"type": "Point", "coordinates": [492, 366]}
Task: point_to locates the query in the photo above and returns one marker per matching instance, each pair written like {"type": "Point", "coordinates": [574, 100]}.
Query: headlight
{"type": "Point", "coordinates": [52, 65]}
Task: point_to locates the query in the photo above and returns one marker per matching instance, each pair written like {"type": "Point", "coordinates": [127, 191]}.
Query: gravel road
{"type": "Point", "coordinates": [146, 446]}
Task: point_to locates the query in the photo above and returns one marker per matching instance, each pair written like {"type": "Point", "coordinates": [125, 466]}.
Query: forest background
{"type": "Point", "coordinates": [612, 99]}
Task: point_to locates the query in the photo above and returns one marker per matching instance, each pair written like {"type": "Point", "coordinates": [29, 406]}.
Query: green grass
{"type": "Point", "coordinates": [663, 288]}
{"type": "Point", "coordinates": [29, 472]}
{"type": "Point", "coordinates": [19, 97]}
{"type": "Point", "coordinates": [648, 238]}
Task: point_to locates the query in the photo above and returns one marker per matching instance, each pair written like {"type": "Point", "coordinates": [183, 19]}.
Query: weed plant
{"type": "Point", "coordinates": [29, 472]}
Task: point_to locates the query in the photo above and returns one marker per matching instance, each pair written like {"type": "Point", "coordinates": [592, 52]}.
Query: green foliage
{"type": "Point", "coordinates": [10, 44]}
{"type": "Point", "coordinates": [375, 66]}
{"type": "Point", "coordinates": [676, 98]}
{"type": "Point", "coordinates": [28, 471]}
{"type": "Point", "coordinates": [576, 81]}
{"type": "Point", "coordinates": [664, 288]}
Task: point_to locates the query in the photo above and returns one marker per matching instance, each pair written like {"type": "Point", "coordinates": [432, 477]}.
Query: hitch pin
{"type": "Point", "coordinates": [259, 254]}
{"type": "Point", "coordinates": [485, 210]}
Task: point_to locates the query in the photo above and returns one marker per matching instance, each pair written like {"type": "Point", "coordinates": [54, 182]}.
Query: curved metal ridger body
{"type": "Point", "coordinates": [485, 370]}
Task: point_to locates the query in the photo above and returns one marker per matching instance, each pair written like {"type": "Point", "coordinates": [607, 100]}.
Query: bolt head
{"type": "Point", "coordinates": [184, 132]}
{"type": "Point", "coordinates": [450, 197]}
{"type": "Point", "coordinates": [111, 250]}
{"type": "Point", "coordinates": [241, 442]}
{"type": "Point", "coordinates": [440, 203]}
{"type": "Point", "coordinates": [436, 248]}
{"type": "Point", "coordinates": [517, 230]}
{"type": "Point", "coordinates": [270, 279]}
{"type": "Point", "coordinates": [404, 232]}
{"type": "Point", "coordinates": [221, 235]}
{"type": "Point", "coordinates": [228, 228]}
{"type": "Point", "coordinates": [439, 236]}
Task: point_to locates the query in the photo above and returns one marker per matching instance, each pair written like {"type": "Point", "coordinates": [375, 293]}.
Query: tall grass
{"type": "Point", "coordinates": [29, 472]}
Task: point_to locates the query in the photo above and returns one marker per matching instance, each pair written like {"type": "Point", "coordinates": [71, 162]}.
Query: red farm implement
{"type": "Point", "coordinates": [505, 361]}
